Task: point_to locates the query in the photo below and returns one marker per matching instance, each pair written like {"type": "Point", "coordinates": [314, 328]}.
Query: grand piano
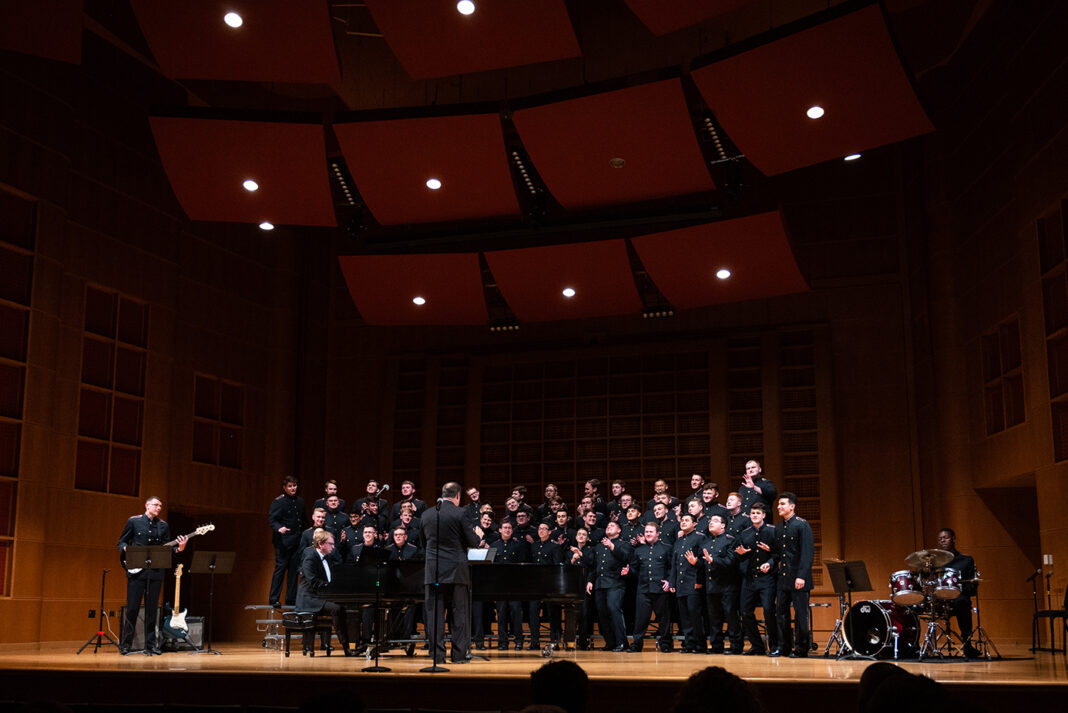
{"type": "Point", "coordinates": [401, 582]}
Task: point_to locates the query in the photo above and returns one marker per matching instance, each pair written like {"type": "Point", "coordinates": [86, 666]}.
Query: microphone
{"type": "Point", "coordinates": [1036, 573]}
{"type": "Point", "coordinates": [383, 489]}
{"type": "Point", "coordinates": [438, 506]}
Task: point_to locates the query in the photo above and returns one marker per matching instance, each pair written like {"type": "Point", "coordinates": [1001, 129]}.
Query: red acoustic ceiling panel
{"type": "Point", "coordinates": [847, 66]}
{"type": "Point", "coordinates": [683, 263]}
{"type": "Point", "coordinates": [279, 40]}
{"type": "Point", "coordinates": [208, 160]}
{"type": "Point", "coordinates": [664, 17]}
{"type": "Point", "coordinates": [532, 281]}
{"type": "Point", "coordinates": [572, 143]}
{"type": "Point", "coordinates": [432, 39]}
{"type": "Point", "coordinates": [383, 287]}
{"type": "Point", "coordinates": [43, 28]}
{"type": "Point", "coordinates": [391, 161]}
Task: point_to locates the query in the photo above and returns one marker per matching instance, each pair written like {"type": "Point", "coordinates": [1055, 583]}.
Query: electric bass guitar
{"type": "Point", "coordinates": [202, 530]}
{"type": "Point", "coordinates": [174, 624]}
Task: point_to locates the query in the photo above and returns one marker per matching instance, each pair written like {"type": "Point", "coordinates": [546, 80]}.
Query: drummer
{"type": "Point", "coordinates": [961, 607]}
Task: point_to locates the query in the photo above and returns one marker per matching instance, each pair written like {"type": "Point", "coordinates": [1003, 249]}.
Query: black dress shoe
{"type": "Point", "coordinates": [459, 661]}
{"type": "Point", "coordinates": [618, 649]}
{"type": "Point", "coordinates": [753, 652]}
{"type": "Point", "coordinates": [774, 652]}
{"type": "Point", "coordinates": [685, 650]}
{"type": "Point", "coordinates": [502, 645]}
{"type": "Point", "coordinates": [276, 605]}
{"type": "Point", "coordinates": [350, 652]}
{"type": "Point", "coordinates": [479, 645]}
{"type": "Point", "coordinates": [634, 649]}
{"type": "Point", "coordinates": [124, 650]}
{"type": "Point", "coordinates": [716, 651]}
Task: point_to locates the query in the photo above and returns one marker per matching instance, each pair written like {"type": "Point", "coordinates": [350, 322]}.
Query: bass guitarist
{"type": "Point", "coordinates": [147, 529]}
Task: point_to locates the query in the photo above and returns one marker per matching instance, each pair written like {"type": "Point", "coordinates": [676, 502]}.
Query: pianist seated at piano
{"type": "Point", "coordinates": [315, 574]}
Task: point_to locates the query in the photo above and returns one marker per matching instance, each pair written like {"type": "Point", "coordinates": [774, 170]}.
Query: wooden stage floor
{"type": "Point", "coordinates": [247, 673]}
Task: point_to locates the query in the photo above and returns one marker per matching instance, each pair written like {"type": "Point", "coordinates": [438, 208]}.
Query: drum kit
{"type": "Point", "coordinates": [920, 603]}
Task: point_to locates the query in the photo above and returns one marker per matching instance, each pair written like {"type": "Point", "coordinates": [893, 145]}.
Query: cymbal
{"type": "Point", "coordinates": [926, 559]}
{"type": "Point", "coordinates": [977, 579]}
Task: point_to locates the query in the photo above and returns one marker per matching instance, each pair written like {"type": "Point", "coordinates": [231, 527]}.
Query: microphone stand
{"type": "Point", "coordinates": [434, 668]}
{"type": "Point", "coordinates": [1033, 579]}
{"type": "Point", "coordinates": [101, 638]}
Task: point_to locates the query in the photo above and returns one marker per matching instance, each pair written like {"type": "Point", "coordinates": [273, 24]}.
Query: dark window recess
{"type": "Point", "coordinates": [16, 275]}
{"type": "Point", "coordinates": [219, 416]}
{"type": "Point", "coordinates": [14, 332]}
{"type": "Point", "coordinates": [1003, 401]}
{"type": "Point", "coordinates": [12, 378]}
{"type": "Point", "coordinates": [10, 436]}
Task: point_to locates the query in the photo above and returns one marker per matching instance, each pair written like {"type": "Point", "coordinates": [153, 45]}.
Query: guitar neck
{"type": "Point", "coordinates": [177, 593]}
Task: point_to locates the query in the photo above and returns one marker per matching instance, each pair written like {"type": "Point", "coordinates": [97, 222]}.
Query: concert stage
{"type": "Point", "coordinates": [249, 675]}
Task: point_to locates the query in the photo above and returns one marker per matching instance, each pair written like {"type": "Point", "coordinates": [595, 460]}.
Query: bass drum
{"type": "Point", "coordinates": [869, 629]}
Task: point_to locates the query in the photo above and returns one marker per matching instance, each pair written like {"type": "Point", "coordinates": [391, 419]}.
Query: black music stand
{"type": "Point", "coordinates": [846, 578]}
{"type": "Point", "coordinates": [147, 557]}
{"type": "Point", "coordinates": [99, 637]}
{"type": "Point", "coordinates": [211, 563]}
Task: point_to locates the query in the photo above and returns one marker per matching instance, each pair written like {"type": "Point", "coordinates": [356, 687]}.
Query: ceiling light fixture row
{"type": "Point", "coordinates": [342, 182]}
{"type": "Point", "coordinates": [656, 314]}
{"type": "Point", "coordinates": [509, 327]}
{"type": "Point", "coordinates": [521, 167]}
{"type": "Point", "coordinates": [710, 127]}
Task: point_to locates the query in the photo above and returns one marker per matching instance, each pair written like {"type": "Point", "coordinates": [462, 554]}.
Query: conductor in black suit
{"type": "Point", "coordinates": [448, 535]}
{"type": "Point", "coordinates": [315, 574]}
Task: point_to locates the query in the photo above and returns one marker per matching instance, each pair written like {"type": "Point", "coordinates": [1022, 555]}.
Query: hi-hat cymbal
{"type": "Point", "coordinates": [926, 559]}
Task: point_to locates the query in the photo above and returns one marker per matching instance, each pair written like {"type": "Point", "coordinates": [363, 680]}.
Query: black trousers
{"type": "Point", "coordinates": [610, 616]}
{"type": "Point", "coordinates": [509, 620]}
{"type": "Point", "coordinates": [457, 595]}
{"type": "Point", "coordinates": [645, 605]}
{"type": "Point", "coordinates": [552, 611]}
{"type": "Point", "coordinates": [722, 607]}
{"type": "Point", "coordinates": [690, 611]}
{"type": "Point", "coordinates": [764, 595]}
{"type": "Point", "coordinates": [798, 599]}
{"type": "Point", "coordinates": [961, 608]}
{"type": "Point", "coordinates": [362, 625]}
{"type": "Point", "coordinates": [340, 621]}
{"type": "Point", "coordinates": [286, 567]}
{"type": "Point", "coordinates": [138, 587]}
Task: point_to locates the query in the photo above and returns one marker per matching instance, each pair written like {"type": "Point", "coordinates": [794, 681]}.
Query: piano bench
{"type": "Point", "coordinates": [308, 624]}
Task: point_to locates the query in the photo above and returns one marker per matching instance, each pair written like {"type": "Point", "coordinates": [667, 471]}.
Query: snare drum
{"type": "Point", "coordinates": [906, 588]}
{"type": "Point", "coordinates": [947, 583]}
{"type": "Point", "coordinates": [870, 628]}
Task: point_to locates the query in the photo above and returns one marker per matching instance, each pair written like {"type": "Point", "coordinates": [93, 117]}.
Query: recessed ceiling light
{"type": "Point", "coordinates": [419, 301]}
{"type": "Point", "coordinates": [814, 112]}
{"type": "Point", "coordinates": [852, 157]}
{"type": "Point", "coordinates": [233, 19]}
{"type": "Point", "coordinates": [723, 273]}
{"type": "Point", "coordinates": [250, 185]}
{"type": "Point", "coordinates": [266, 225]}
{"type": "Point", "coordinates": [568, 292]}
{"type": "Point", "coordinates": [433, 184]}
{"type": "Point", "coordinates": [465, 7]}
{"type": "Point", "coordinates": [617, 162]}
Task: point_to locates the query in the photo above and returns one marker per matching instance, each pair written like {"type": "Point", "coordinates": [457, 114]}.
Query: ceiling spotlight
{"type": "Point", "coordinates": [568, 292]}
{"type": "Point", "coordinates": [233, 19]}
{"type": "Point", "coordinates": [465, 7]}
{"type": "Point", "coordinates": [266, 225]}
{"type": "Point", "coordinates": [616, 162]}
{"type": "Point", "coordinates": [852, 157]}
{"type": "Point", "coordinates": [433, 184]}
{"type": "Point", "coordinates": [723, 273]}
{"type": "Point", "coordinates": [814, 112]}
{"type": "Point", "coordinates": [420, 301]}
{"type": "Point", "coordinates": [250, 185]}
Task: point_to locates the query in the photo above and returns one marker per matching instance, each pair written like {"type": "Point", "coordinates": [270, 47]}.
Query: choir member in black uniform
{"type": "Point", "coordinates": [697, 482]}
{"type": "Point", "coordinates": [582, 554]}
{"type": "Point", "coordinates": [651, 565]}
{"type": "Point", "coordinates": [372, 517]}
{"type": "Point", "coordinates": [490, 529]}
{"type": "Point", "coordinates": [523, 528]}
{"type": "Point", "coordinates": [961, 607]}
{"type": "Point", "coordinates": [710, 499]}
{"type": "Point", "coordinates": [473, 510]}
{"type": "Point", "coordinates": [756, 488]}
{"type": "Point", "coordinates": [696, 507]}
{"type": "Point", "coordinates": [668, 527]}
{"type": "Point", "coordinates": [545, 509]}
{"type": "Point", "coordinates": [594, 530]}
{"type": "Point", "coordinates": [544, 551]}
{"type": "Point", "coordinates": [616, 508]}
{"type": "Point", "coordinates": [407, 496]}
{"type": "Point", "coordinates": [315, 573]}
{"type": "Point", "coordinates": [737, 518]}
{"type": "Point", "coordinates": [373, 493]}
{"type": "Point", "coordinates": [592, 490]}
{"type": "Point", "coordinates": [794, 550]}
{"type": "Point", "coordinates": [756, 550]}
{"type": "Point", "coordinates": [611, 560]}
{"type": "Point", "coordinates": [510, 550]}
{"type": "Point", "coordinates": [318, 519]}
{"type": "Point", "coordinates": [330, 488]}
{"type": "Point", "coordinates": [366, 549]}
{"type": "Point", "coordinates": [402, 618]}
{"type": "Point", "coordinates": [287, 521]}
{"type": "Point", "coordinates": [687, 583]}
{"type": "Point", "coordinates": [660, 487]}
{"type": "Point", "coordinates": [336, 518]}
{"type": "Point", "coordinates": [563, 533]}
{"type": "Point", "coordinates": [722, 581]}
{"type": "Point", "coordinates": [411, 524]}
{"type": "Point", "coordinates": [631, 527]}
{"type": "Point", "coordinates": [144, 530]}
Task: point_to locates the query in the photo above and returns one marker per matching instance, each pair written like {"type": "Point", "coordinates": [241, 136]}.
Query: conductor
{"type": "Point", "coordinates": [448, 535]}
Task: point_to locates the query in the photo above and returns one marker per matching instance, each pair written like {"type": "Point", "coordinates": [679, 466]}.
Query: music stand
{"type": "Point", "coordinates": [211, 563]}
{"type": "Point", "coordinates": [846, 578]}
